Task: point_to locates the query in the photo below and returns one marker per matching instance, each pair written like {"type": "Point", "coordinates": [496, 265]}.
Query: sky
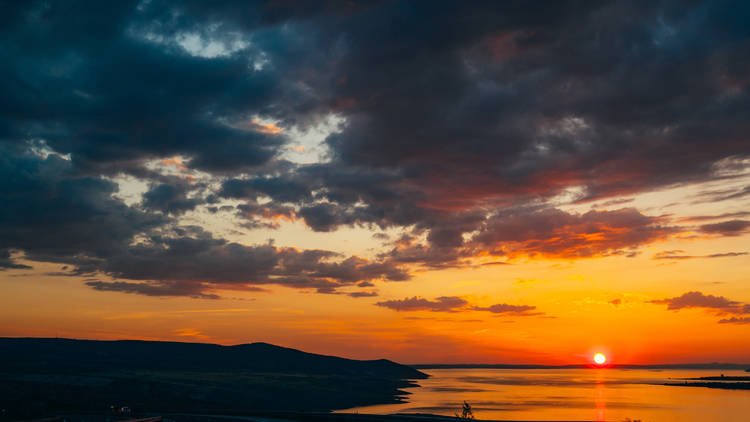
{"type": "Point", "coordinates": [429, 182]}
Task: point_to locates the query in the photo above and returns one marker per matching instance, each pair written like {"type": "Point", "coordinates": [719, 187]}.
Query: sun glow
{"type": "Point", "coordinates": [600, 359]}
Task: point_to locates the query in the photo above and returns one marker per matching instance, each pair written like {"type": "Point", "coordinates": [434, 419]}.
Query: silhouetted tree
{"type": "Point", "coordinates": [466, 412]}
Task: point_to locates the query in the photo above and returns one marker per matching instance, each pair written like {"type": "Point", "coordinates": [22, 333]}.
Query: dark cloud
{"type": "Point", "coordinates": [110, 93]}
{"type": "Point", "coordinates": [460, 122]}
{"type": "Point", "coordinates": [455, 304]}
{"type": "Point", "coordinates": [53, 213]}
{"type": "Point", "coordinates": [192, 259]}
{"type": "Point", "coordinates": [616, 302]}
{"type": "Point", "coordinates": [495, 263]}
{"type": "Point", "coordinates": [699, 218]}
{"type": "Point", "coordinates": [445, 156]}
{"type": "Point", "coordinates": [719, 304]}
{"type": "Point", "coordinates": [735, 320]}
{"type": "Point", "coordinates": [555, 233]}
{"type": "Point", "coordinates": [679, 255]}
{"type": "Point", "coordinates": [727, 228]}
{"type": "Point", "coordinates": [153, 289]}
{"type": "Point", "coordinates": [545, 232]}
{"type": "Point", "coordinates": [734, 311]}
{"type": "Point", "coordinates": [504, 308]}
{"type": "Point", "coordinates": [440, 304]}
{"type": "Point", "coordinates": [171, 198]}
{"type": "Point", "coordinates": [267, 215]}
{"type": "Point", "coordinates": [536, 104]}
{"type": "Point", "coordinates": [325, 217]}
{"type": "Point", "coordinates": [7, 262]}
{"type": "Point", "coordinates": [362, 294]}
{"type": "Point", "coordinates": [724, 195]}
{"type": "Point", "coordinates": [280, 189]}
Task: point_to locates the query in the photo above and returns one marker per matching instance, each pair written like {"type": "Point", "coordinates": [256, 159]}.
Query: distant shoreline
{"type": "Point", "coordinates": [737, 366]}
{"type": "Point", "coordinates": [719, 385]}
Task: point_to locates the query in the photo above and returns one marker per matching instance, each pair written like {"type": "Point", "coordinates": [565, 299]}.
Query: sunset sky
{"type": "Point", "coordinates": [429, 182]}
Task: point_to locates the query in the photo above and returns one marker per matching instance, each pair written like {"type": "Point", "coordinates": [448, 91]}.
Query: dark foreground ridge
{"type": "Point", "coordinates": [41, 377]}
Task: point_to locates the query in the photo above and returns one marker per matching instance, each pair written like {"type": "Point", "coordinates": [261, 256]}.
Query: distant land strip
{"type": "Point", "coordinates": [721, 385]}
{"type": "Point", "coordinates": [714, 365]}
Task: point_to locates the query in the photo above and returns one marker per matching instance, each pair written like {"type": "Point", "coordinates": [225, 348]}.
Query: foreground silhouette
{"type": "Point", "coordinates": [47, 376]}
{"type": "Point", "coordinates": [466, 412]}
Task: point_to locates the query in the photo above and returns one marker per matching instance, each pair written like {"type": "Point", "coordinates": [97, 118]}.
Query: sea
{"type": "Point", "coordinates": [608, 394]}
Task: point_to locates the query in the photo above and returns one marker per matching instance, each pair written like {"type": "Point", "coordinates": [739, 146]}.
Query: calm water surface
{"type": "Point", "coordinates": [573, 394]}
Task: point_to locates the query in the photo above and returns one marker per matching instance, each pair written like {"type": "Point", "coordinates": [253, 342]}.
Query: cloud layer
{"type": "Point", "coordinates": [461, 125]}
{"type": "Point", "coordinates": [454, 304]}
{"type": "Point", "coordinates": [719, 305]}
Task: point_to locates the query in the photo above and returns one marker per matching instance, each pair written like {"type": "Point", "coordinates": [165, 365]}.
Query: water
{"type": "Point", "coordinates": [573, 394]}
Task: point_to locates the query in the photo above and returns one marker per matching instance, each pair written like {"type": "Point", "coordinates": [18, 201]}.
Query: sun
{"type": "Point", "coordinates": [600, 359]}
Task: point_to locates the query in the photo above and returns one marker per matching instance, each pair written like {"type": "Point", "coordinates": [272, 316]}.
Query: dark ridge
{"type": "Point", "coordinates": [45, 354]}
{"type": "Point", "coordinates": [46, 377]}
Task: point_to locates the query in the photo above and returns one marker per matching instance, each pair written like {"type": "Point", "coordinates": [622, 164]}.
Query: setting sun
{"type": "Point", "coordinates": [600, 359]}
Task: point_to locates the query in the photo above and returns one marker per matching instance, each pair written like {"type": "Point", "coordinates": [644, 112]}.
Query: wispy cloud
{"type": "Point", "coordinates": [724, 195]}
{"type": "Point", "coordinates": [504, 308]}
{"type": "Point", "coordinates": [455, 304]}
{"type": "Point", "coordinates": [727, 228]}
{"type": "Point", "coordinates": [700, 218]}
{"type": "Point", "coordinates": [719, 305]}
{"type": "Point", "coordinates": [440, 304]}
{"type": "Point", "coordinates": [679, 254]}
{"type": "Point", "coordinates": [735, 320]}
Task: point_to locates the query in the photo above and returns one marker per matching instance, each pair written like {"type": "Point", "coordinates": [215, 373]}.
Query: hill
{"type": "Point", "coordinates": [43, 376]}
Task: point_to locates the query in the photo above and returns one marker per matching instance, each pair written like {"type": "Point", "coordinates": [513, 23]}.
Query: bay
{"type": "Point", "coordinates": [608, 394]}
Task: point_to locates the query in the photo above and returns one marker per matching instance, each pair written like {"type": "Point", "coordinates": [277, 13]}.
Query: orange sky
{"type": "Point", "coordinates": [430, 182]}
{"type": "Point", "coordinates": [597, 303]}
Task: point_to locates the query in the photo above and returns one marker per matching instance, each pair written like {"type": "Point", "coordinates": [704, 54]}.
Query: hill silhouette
{"type": "Point", "coordinates": [42, 376]}
{"type": "Point", "coordinates": [57, 354]}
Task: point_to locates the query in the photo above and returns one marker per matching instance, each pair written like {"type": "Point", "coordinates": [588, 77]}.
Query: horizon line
{"type": "Point", "coordinates": [693, 365]}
